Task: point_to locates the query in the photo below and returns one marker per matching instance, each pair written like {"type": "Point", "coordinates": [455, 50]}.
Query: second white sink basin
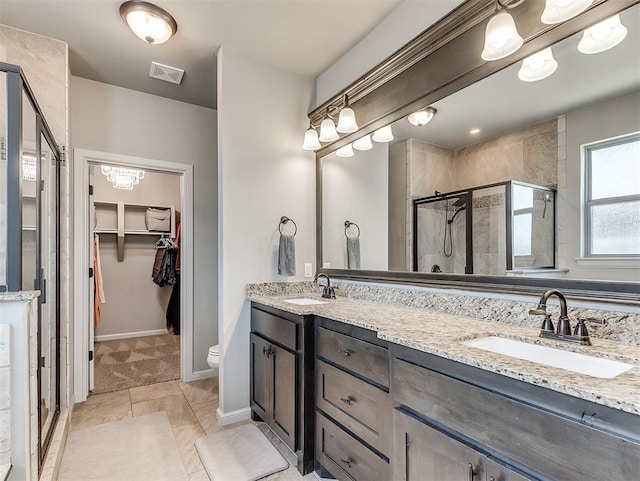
{"type": "Point", "coordinates": [549, 356]}
{"type": "Point", "coordinates": [305, 301]}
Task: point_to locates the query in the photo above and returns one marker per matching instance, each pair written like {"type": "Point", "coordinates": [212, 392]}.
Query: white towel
{"type": "Point", "coordinates": [98, 272]}
{"type": "Point", "coordinates": [353, 252]}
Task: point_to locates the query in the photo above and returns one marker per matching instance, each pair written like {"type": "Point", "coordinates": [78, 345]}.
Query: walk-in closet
{"type": "Point", "coordinates": [135, 293]}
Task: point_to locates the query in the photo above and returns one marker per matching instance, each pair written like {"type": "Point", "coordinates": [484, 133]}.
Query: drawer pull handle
{"type": "Point", "coordinates": [346, 352]}
{"type": "Point", "coordinates": [348, 400]}
{"type": "Point", "coordinates": [348, 462]}
{"type": "Point", "coordinates": [472, 472]}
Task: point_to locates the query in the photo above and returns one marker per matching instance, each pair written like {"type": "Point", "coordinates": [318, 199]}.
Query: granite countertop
{"type": "Point", "coordinates": [441, 334]}
{"type": "Point", "coordinates": [18, 296]}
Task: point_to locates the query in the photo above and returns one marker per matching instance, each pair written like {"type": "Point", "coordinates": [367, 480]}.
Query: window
{"type": "Point", "coordinates": [612, 197]}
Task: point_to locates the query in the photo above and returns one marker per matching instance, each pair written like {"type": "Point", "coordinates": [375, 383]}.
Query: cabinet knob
{"type": "Point", "coordinates": [347, 461]}
{"type": "Point", "coordinates": [347, 400]}
{"type": "Point", "coordinates": [472, 472]}
{"type": "Point", "coordinates": [346, 352]}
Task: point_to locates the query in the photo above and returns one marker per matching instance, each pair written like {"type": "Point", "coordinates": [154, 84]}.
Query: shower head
{"type": "Point", "coordinates": [458, 210]}
{"type": "Point", "coordinates": [462, 200]}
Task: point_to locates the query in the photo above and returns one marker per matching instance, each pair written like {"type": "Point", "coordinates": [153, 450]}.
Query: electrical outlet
{"type": "Point", "coordinates": [308, 269]}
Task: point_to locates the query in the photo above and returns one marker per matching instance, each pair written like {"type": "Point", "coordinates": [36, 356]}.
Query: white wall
{"type": "Point", "coordinates": [595, 122]}
{"type": "Point", "coordinates": [122, 121]}
{"type": "Point", "coordinates": [404, 23]}
{"type": "Point", "coordinates": [134, 303]}
{"type": "Point", "coordinates": [263, 174]}
{"type": "Point", "coordinates": [353, 189]}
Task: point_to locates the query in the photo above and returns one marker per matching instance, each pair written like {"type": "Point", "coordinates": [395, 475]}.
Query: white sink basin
{"type": "Point", "coordinates": [305, 301]}
{"type": "Point", "coordinates": [549, 356]}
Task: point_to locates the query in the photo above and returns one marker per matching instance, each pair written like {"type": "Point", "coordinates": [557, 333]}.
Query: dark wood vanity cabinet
{"type": "Point", "coordinates": [448, 416]}
{"type": "Point", "coordinates": [281, 379]}
{"type": "Point", "coordinates": [421, 451]}
{"type": "Point", "coordinates": [353, 418]}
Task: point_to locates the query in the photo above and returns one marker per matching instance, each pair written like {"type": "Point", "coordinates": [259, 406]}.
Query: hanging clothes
{"type": "Point", "coordinates": [173, 309]}
{"type": "Point", "coordinates": [99, 297]}
{"type": "Point", "coordinates": [166, 263]}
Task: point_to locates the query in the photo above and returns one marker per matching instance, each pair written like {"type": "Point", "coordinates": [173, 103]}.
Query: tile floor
{"type": "Point", "coordinates": [191, 408]}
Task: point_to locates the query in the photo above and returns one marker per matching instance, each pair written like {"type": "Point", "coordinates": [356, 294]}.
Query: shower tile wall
{"type": "Point", "coordinates": [528, 155]}
{"type": "Point", "coordinates": [489, 231]}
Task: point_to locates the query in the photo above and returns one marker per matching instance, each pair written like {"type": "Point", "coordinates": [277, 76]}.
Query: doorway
{"type": "Point", "coordinates": [120, 220]}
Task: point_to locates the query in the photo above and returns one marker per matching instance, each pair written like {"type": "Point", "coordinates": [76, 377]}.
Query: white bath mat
{"type": "Point", "coordinates": [134, 449]}
{"type": "Point", "coordinates": [239, 454]}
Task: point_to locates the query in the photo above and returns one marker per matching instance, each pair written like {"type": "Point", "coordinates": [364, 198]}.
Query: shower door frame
{"type": "Point", "coordinates": [469, 222]}
{"type": "Point", "coordinates": [16, 85]}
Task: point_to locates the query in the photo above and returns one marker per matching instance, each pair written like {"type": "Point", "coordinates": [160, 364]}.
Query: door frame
{"type": "Point", "coordinates": [81, 244]}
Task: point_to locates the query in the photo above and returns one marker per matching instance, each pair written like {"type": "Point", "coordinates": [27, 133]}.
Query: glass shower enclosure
{"type": "Point", "coordinates": [490, 230]}
{"type": "Point", "coordinates": [30, 229]}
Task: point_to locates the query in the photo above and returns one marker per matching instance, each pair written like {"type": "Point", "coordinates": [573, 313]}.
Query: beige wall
{"type": "Point", "coordinates": [122, 121]}
{"type": "Point", "coordinates": [134, 302]}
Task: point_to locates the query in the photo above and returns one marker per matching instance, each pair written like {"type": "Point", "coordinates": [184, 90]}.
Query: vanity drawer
{"type": "Point", "coordinates": [345, 457]}
{"type": "Point", "coordinates": [361, 357]}
{"type": "Point", "coordinates": [529, 435]}
{"type": "Point", "coordinates": [274, 328]}
{"type": "Point", "coordinates": [357, 405]}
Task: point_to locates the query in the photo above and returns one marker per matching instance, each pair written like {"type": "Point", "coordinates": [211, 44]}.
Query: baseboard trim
{"type": "Point", "coordinates": [127, 335]}
{"type": "Point", "coordinates": [233, 416]}
{"type": "Point", "coordinates": [204, 374]}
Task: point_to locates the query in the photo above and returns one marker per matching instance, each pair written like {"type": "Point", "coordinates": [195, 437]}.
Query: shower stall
{"type": "Point", "coordinates": [30, 234]}
{"type": "Point", "coordinates": [490, 229]}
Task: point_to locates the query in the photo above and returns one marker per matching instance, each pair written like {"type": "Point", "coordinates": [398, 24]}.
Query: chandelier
{"type": "Point", "coordinates": [121, 177]}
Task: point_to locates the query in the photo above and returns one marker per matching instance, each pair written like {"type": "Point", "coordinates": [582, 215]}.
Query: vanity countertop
{"type": "Point", "coordinates": [441, 334]}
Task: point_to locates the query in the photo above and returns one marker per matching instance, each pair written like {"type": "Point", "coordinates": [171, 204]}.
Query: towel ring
{"type": "Point", "coordinates": [347, 224]}
{"type": "Point", "coordinates": [283, 220]}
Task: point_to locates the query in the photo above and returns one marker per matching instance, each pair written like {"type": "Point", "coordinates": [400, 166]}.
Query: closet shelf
{"type": "Point", "coordinates": [125, 218]}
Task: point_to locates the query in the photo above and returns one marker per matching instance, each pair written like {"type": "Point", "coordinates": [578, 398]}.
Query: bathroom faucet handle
{"type": "Point", "coordinates": [541, 310]}
{"type": "Point", "coordinates": [595, 320]}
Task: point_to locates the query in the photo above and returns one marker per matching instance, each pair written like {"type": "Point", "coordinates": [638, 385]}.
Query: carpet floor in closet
{"type": "Point", "coordinates": [138, 361]}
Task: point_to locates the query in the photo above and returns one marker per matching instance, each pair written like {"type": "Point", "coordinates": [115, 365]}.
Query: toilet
{"type": "Point", "coordinates": [213, 359]}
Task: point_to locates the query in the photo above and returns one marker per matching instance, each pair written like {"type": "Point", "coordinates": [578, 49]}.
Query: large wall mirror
{"type": "Point", "coordinates": [535, 182]}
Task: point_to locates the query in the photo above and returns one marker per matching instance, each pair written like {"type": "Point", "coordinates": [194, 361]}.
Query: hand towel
{"type": "Point", "coordinates": [287, 255]}
{"type": "Point", "coordinates": [353, 252]}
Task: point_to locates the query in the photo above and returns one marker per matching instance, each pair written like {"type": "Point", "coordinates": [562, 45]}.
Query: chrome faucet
{"type": "Point", "coordinates": [328, 292]}
{"type": "Point", "coordinates": [563, 330]}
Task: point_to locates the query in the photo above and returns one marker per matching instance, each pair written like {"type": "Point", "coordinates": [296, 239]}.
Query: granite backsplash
{"type": "Point", "coordinates": [619, 326]}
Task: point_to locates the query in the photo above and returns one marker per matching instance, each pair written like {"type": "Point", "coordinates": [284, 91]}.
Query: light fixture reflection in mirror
{"type": "Point", "coordinates": [602, 36]}
{"type": "Point", "coordinates": [556, 11]}
{"type": "Point", "coordinates": [148, 22]}
{"type": "Point", "coordinates": [384, 134]}
{"type": "Point", "coordinates": [346, 151]}
{"type": "Point", "coordinates": [121, 177]}
{"type": "Point", "coordinates": [538, 66]}
{"type": "Point", "coordinates": [422, 117]}
{"type": "Point", "coordinates": [363, 143]}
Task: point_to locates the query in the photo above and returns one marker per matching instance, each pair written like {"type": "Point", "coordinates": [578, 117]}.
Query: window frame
{"type": "Point", "coordinates": [588, 202]}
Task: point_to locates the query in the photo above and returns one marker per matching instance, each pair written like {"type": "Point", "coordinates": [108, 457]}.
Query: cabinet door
{"type": "Point", "coordinates": [497, 472]}
{"type": "Point", "coordinates": [283, 388]}
{"type": "Point", "coordinates": [422, 452]}
{"type": "Point", "coordinates": [260, 371]}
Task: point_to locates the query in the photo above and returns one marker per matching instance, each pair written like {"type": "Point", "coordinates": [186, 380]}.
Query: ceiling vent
{"type": "Point", "coordinates": [166, 73]}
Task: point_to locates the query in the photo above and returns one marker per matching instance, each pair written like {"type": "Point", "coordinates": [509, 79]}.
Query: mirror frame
{"type": "Point", "coordinates": [443, 59]}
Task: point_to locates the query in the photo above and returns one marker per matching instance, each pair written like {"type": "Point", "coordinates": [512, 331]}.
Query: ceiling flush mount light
{"type": "Point", "coordinates": [347, 119]}
{"type": "Point", "coordinates": [384, 134]}
{"type": "Point", "coordinates": [602, 36]}
{"type": "Point", "coordinates": [148, 21]}
{"type": "Point", "coordinates": [121, 177]}
{"type": "Point", "coordinates": [556, 11]}
{"type": "Point", "coordinates": [29, 168]}
{"type": "Point", "coordinates": [422, 117]}
{"type": "Point", "coordinates": [538, 66]}
{"type": "Point", "coordinates": [311, 141]}
{"type": "Point", "coordinates": [363, 143]}
{"type": "Point", "coordinates": [474, 131]}
{"type": "Point", "coordinates": [346, 151]}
